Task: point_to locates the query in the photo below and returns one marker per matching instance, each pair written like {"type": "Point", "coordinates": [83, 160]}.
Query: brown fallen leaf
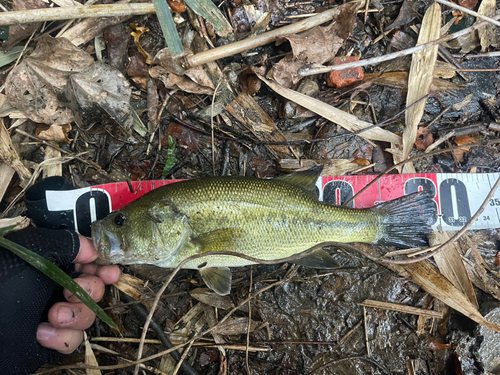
{"type": "Point", "coordinates": [460, 141]}
{"type": "Point", "coordinates": [317, 45]}
{"type": "Point", "coordinates": [194, 80]}
{"type": "Point", "coordinates": [424, 138]}
{"type": "Point", "coordinates": [247, 111]}
{"type": "Point", "coordinates": [487, 35]}
{"type": "Point", "coordinates": [33, 86]}
{"type": "Point", "coordinates": [235, 326]}
{"type": "Point", "coordinates": [22, 31]}
{"type": "Point", "coordinates": [55, 132]}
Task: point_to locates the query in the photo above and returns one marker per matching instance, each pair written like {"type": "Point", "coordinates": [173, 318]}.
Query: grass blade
{"type": "Point", "coordinates": [168, 27]}
{"type": "Point", "coordinates": [12, 55]}
{"type": "Point", "coordinates": [55, 273]}
{"type": "Point", "coordinates": [212, 14]}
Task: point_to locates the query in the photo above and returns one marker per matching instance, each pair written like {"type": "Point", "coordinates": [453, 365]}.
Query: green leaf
{"type": "Point", "coordinates": [55, 273]}
{"type": "Point", "coordinates": [12, 55]}
{"type": "Point", "coordinates": [168, 27]}
{"type": "Point", "coordinates": [4, 32]}
{"type": "Point", "coordinates": [170, 160]}
{"type": "Point", "coordinates": [208, 10]}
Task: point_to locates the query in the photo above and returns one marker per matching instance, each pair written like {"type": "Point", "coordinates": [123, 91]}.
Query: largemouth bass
{"type": "Point", "coordinates": [265, 219]}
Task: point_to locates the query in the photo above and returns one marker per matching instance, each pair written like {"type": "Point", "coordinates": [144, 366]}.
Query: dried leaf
{"type": "Point", "coordinates": [317, 45]}
{"type": "Point", "coordinates": [449, 262]}
{"type": "Point", "coordinates": [209, 297]}
{"type": "Point", "coordinates": [33, 86]}
{"type": "Point", "coordinates": [462, 140]}
{"type": "Point", "coordinates": [194, 80]}
{"type": "Point", "coordinates": [22, 31]}
{"type": "Point", "coordinates": [424, 139]}
{"type": "Point", "coordinates": [99, 92]}
{"type": "Point", "coordinates": [56, 133]}
{"type": "Point", "coordinates": [235, 326]}
{"type": "Point", "coordinates": [487, 34]}
{"type": "Point", "coordinates": [346, 120]}
{"type": "Point", "coordinates": [90, 358]}
{"type": "Point", "coordinates": [247, 111]}
{"type": "Point", "coordinates": [406, 14]}
{"type": "Point", "coordinates": [9, 155]}
{"type": "Point", "coordinates": [420, 79]}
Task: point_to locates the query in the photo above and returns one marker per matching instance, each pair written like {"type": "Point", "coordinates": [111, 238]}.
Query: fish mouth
{"type": "Point", "coordinates": [96, 235]}
{"type": "Point", "coordinates": [107, 244]}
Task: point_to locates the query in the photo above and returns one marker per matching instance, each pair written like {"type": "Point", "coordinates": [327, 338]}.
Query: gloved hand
{"type": "Point", "coordinates": [33, 329]}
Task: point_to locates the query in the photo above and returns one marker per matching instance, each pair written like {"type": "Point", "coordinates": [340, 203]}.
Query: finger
{"type": "Point", "coordinates": [71, 315]}
{"type": "Point", "coordinates": [63, 340]}
{"type": "Point", "coordinates": [108, 274]}
{"type": "Point", "coordinates": [93, 285]}
{"type": "Point", "coordinates": [87, 253]}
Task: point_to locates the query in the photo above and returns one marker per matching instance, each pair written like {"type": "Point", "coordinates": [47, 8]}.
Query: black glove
{"type": "Point", "coordinates": [25, 294]}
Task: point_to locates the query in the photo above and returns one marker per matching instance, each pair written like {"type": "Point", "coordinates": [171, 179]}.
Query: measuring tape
{"type": "Point", "coordinates": [457, 198]}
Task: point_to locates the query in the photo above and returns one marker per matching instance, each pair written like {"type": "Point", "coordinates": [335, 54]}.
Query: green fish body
{"type": "Point", "coordinates": [264, 219]}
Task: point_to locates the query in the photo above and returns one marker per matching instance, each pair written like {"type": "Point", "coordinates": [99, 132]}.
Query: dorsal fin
{"type": "Point", "coordinates": [305, 180]}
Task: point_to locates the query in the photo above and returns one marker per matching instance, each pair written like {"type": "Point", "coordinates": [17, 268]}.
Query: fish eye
{"type": "Point", "coordinates": [120, 219]}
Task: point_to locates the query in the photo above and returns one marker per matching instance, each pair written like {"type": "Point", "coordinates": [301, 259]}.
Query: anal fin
{"type": "Point", "coordinates": [318, 259]}
{"type": "Point", "coordinates": [217, 278]}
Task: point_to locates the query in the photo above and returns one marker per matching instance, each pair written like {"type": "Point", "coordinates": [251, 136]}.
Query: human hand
{"type": "Point", "coordinates": [25, 342]}
{"type": "Point", "coordinates": [67, 320]}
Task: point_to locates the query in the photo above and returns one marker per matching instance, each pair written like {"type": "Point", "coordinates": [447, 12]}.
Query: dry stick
{"type": "Point", "coordinates": [249, 321]}
{"type": "Point", "coordinates": [70, 13]}
{"type": "Point", "coordinates": [183, 357]}
{"type": "Point", "coordinates": [311, 70]}
{"type": "Point", "coordinates": [468, 11]}
{"type": "Point", "coordinates": [260, 40]}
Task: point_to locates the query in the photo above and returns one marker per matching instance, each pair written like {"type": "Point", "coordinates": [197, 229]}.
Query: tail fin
{"type": "Point", "coordinates": [406, 220]}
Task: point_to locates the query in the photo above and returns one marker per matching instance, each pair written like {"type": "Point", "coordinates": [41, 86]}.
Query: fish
{"type": "Point", "coordinates": [267, 219]}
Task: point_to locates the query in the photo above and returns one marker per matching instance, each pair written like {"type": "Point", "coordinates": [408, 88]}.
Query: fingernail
{"type": "Point", "coordinates": [65, 315]}
{"type": "Point", "coordinates": [45, 331]}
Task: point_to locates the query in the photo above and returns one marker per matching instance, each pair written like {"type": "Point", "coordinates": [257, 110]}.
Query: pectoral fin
{"type": "Point", "coordinates": [318, 259]}
{"type": "Point", "coordinates": [219, 240]}
{"type": "Point", "coordinates": [217, 278]}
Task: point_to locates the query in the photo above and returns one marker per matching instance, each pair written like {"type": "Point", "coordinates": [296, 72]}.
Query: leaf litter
{"type": "Point", "coordinates": [219, 118]}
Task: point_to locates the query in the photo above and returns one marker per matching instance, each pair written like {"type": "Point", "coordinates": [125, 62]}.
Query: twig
{"type": "Point", "coordinates": [468, 11]}
{"type": "Point", "coordinates": [71, 13]}
{"type": "Point", "coordinates": [249, 372]}
{"type": "Point", "coordinates": [184, 355]}
{"type": "Point", "coordinates": [309, 70]}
